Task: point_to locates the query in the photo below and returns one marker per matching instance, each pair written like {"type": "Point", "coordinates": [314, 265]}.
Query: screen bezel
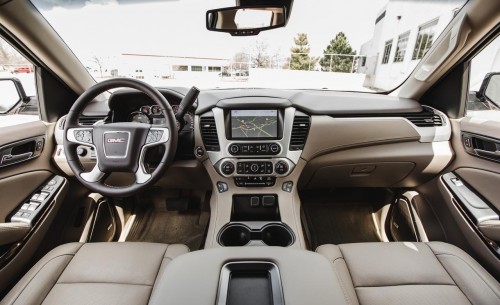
{"type": "Point", "coordinates": [279, 131]}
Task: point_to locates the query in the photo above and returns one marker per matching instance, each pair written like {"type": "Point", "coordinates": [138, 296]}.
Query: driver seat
{"type": "Point", "coordinates": [95, 273]}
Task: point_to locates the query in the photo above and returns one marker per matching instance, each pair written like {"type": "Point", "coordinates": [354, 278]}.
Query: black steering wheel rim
{"type": "Point", "coordinates": [139, 138]}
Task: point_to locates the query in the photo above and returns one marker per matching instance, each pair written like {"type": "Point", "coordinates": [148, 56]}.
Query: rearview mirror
{"type": "Point", "coordinates": [12, 92]}
{"type": "Point", "coordinates": [490, 88]}
{"type": "Point", "coordinates": [245, 21]}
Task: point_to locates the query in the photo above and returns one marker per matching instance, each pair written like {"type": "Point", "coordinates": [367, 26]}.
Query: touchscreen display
{"type": "Point", "coordinates": [257, 124]}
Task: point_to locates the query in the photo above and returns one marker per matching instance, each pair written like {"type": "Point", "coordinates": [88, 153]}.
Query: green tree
{"type": "Point", "coordinates": [300, 59]}
{"type": "Point", "coordinates": [336, 63]}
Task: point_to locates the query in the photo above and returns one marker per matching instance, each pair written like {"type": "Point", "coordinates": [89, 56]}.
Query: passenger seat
{"type": "Point", "coordinates": [407, 273]}
{"type": "Point", "coordinates": [94, 273]}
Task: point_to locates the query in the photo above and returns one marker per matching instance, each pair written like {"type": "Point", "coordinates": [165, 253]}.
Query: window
{"type": "Point", "coordinates": [363, 61]}
{"type": "Point", "coordinates": [16, 72]}
{"type": "Point", "coordinates": [484, 83]}
{"type": "Point", "coordinates": [387, 51]}
{"type": "Point", "coordinates": [179, 68]}
{"type": "Point", "coordinates": [196, 68]}
{"type": "Point", "coordinates": [401, 47]}
{"type": "Point", "coordinates": [214, 69]}
{"type": "Point", "coordinates": [424, 39]}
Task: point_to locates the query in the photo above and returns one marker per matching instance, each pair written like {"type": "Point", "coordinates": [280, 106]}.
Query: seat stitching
{"type": "Point", "coordinates": [344, 290]}
{"type": "Point", "coordinates": [158, 272]}
{"type": "Point", "coordinates": [395, 285]}
{"type": "Point", "coordinates": [43, 266]}
{"type": "Point", "coordinates": [439, 261]}
{"type": "Point", "coordinates": [470, 267]}
{"type": "Point", "coordinates": [111, 283]}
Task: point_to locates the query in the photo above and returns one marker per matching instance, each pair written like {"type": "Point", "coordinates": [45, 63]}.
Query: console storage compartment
{"type": "Point", "coordinates": [247, 283]}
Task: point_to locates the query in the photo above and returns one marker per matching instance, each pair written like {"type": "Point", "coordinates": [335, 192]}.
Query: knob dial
{"type": "Point", "coordinates": [281, 167]}
{"type": "Point", "coordinates": [254, 167]}
{"type": "Point", "coordinates": [234, 149]}
{"type": "Point", "coordinates": [227, 168]}
{"type": "Point", "coordinates": [274, 148]}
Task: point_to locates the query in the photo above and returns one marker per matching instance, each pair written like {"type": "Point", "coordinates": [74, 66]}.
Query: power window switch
{"type": "Point", "coordinates": [19, 214]}
{"type": "Point", "coordinates": [26, 215]}
{"type": "Point", "coordinates": [25, 206]}
{"type": "Point", "coordinates": [43, 196]}
{"type": "Point", "coordinates": [32, 207]}
{"type": "Point", "coordinates": [35, 197]}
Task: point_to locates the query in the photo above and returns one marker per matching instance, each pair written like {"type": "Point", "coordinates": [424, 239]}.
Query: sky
{"type": "Point", "coordinates": [177, 28]}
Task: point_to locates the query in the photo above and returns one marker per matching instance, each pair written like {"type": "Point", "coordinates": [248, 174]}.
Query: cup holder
{"type": "Point", "coordinates": [277, 235]}
{"type": "Point", "coordinates": [270, 234]}
{"type": "Point", "coordinates": [235, 235]}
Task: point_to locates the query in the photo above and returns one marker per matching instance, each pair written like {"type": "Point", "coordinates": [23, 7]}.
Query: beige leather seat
{"type": "Point", "coordinates": [94, 274]}
{"type": "Point", "coordinates": [431, 273]}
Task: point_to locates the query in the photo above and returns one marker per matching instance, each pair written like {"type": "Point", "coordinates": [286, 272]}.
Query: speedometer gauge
{"type": "Point", "coordinates": [140, 117]}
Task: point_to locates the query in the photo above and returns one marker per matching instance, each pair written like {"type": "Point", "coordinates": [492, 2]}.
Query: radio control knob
{"type": "Point", "coordinates": [281, 167]}
{"type": "Point", "coordinates": [254, 167]}
{"type": "Point", "coordinates": [274, 148]}
{"type": "Point", "coordinates": [227, 168]}
{"type": "Point", "coordinates": [234, 149]}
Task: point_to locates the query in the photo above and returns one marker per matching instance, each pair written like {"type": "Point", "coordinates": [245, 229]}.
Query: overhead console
{"type": "Point", "coordinates": [254, 146]}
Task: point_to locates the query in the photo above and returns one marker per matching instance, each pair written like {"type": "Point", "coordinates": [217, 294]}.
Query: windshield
{"type": "Point", "coordinates": [355, 45]}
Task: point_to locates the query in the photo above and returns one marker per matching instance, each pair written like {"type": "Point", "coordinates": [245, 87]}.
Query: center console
{"type": "Point", "coordinates": [251, 151]}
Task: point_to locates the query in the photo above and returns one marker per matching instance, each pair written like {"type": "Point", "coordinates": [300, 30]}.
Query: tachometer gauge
{"type": "Point", "coordinates": [155, 110]}
{"type": "Point", "coordinates": [140, 117]}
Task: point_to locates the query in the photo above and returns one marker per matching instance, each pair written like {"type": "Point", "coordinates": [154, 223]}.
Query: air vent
{"type": "Point", "coordinates": [300, 130]}
{"type": "Point", "coordinates": [425, 118]}
{"type": "Point", "coordinates": [90, 120]}
{"type": "Point", "coordinates": [209, 133]}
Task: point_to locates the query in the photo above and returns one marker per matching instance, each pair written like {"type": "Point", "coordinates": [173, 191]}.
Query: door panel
{"type": "Point", "coordinates": [19, 182]}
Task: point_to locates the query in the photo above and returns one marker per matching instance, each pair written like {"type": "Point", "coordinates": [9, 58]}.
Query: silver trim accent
{"type": "Point", "coordinates": [95, 174]}
{"type": "Point", "coordinates": [292, 156]}
{"type": "Point", "coordinates": [141, 175]}
{"type": "Point", "coordinates": [104, 144]}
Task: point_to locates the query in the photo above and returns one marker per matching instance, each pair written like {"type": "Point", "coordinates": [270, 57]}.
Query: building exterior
{"type": "Point", "coordinates": [404, 31]}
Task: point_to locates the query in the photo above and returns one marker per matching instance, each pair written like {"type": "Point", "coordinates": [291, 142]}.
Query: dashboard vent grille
{"type": "Point", "coordinates": [90, 120]}
{"type": "Point", "coordinates": [425, 118]}
{"type": "Point", "coordinates": [300, 130]}
{"type": "Point", "coordinates": [209, 133]}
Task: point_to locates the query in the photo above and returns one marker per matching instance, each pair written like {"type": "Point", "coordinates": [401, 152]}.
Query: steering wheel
{"type": "Point", "coordinates": [120, 147]}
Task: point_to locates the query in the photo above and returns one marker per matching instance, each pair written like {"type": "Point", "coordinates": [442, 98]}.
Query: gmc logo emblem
{"type": "Point", "coordinates": [116, 140]}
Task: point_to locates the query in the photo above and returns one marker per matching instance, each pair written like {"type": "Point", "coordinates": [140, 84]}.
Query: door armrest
{"type": "Point", "coordinates": [490, 229]}
{"type": "Point", "coordinates": [11, 232]}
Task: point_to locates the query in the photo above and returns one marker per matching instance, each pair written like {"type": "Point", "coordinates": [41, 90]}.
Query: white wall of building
{"type": "Point", "coordinates": [402, 16]}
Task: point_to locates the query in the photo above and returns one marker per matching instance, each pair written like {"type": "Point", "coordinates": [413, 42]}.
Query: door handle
{"type": "Point", "coordinates": [21, 151]}
{"type": "Point", "coordinates": [9, 159]}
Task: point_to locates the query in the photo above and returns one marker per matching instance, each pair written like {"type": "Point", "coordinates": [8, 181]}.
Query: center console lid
{"type": "Point", "coordinates": [195, 278]}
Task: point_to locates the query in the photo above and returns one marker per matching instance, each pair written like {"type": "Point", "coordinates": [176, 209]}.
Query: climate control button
{"type": "Point", "coordinates": [281, 167]}
{"type": "Point", "coordinates": [274, 148]}
{"type": "Point", "coordinates": [227, 168]}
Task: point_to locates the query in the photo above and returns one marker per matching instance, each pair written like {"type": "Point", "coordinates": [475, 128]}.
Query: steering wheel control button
{"type": "Point", "coordinates": [227, 168]}
{"type": "Point", "coordinates": [154, 136]}
{"type": "Point", "coordinates": [80, 151]}
{"type": "Point", "coordinates": [281, 167]}
{"type": "Point", "coordinates": [287, 186]}
{"type": "Point", "coordinates": [222, 187]}
{"type": "Point", "coordinates": [83, 136]}
{"type": "Point", "coordinates": [199, 151]}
